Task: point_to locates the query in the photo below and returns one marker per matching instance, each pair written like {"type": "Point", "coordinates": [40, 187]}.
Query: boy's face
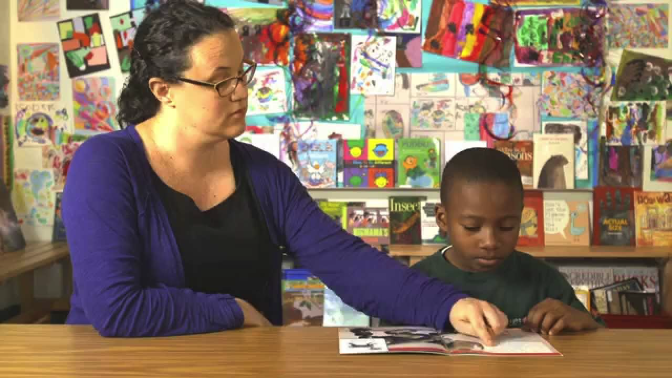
{"type": "Point", "coordinates": [482, 220]}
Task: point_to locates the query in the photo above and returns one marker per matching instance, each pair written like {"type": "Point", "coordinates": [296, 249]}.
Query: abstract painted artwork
{"type": "Point", "coordinates": [635, 123]}
{"type": "Point", "coordinates": [38, 10]}
{"type": "Point", "coordinates": [409, 50]}
{"type": "Point", "coordinates": [38, 72]}
{"type": "Point", "coordinates": [264, 33]}
{"type": "Point", "coordinates": [320, 76]}
{"type": "Point", "coordinates": [392, 16]}
{"type": "Point", "coordinates": [638, 26]}
{"type": "Point", "coordinates": [568, 95]}
{"type": "Point", "coordinates": [58, 158]}
{"type": "Point", "coordinates": [642, 77]}
{"type": "Point", "coordinates": [373, 65]}
{"type": "Point", "coordinates": [124, 27]}
{"type": "Point", "coordinates": [267, 92]}
{"type": "Point", "coordinates": [94, 104]}
{"type": "Point", "coordinates": [83, 45]}
{"type": "Point", "coordinates": [33, 198]}
{"type": "Point", "coordinates": [470, 31]}
{"type": "Point", "coordinates": [312, 15]}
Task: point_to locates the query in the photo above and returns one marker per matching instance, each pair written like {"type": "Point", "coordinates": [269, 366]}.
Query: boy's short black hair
{"type": "Point", "coordinates": [480, 165]}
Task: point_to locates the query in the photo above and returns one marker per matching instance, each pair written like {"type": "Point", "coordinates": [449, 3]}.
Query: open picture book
{"type": "Point", "coordinates": [512, 342]}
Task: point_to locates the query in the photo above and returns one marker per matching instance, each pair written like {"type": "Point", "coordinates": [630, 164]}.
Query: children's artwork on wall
{"type": "Point", "coordinates": [580, 131]}
{"type": "Point", "coordinates": [320, 76]}
{"type": "Point", "coordinates": [83, 45]}
{"type": "Point", "coordinates": [470, 31]}
{"type": "Point", "coordinates": [266, 92]}
{"type": "Point", "coordinates": [493, 127]}
{"type": "Point", "coordinates": [153, 4]}
{"type": "Point", "coordinates": [94, 104]}
{"type": "Point", "coordinates": [409, 50]}
{"type": "Point", "coordinates": [568, 95]}
{"type": "Point", "coordinates": [638, 26]}
{"type": "Point", "coordinates": [38, 124]}
{"type": "Point", "coordinates": [439, 84]}
{"type": "Point", "coordinates": [355, 14]}
{"type": "Point", "coordinates": [620, 166]}
{"type": "Point", "coordinates": [636, 123]}
{"type": "Point", "coordinates": [58, 158]}
{"type": "Point", "coordinates": [536, 3]}
{"type": "Point", "coordinates": [558, 37]}
{"type": "Point", "coordinates": [38, 72]}
{"type": "Point", "coordinates": [38, 10]}
{"type": "Point", "coordinates": [373, 65]}
{"type": "Point", "coordinates": [4, 86]}
{"type": "Point", "coordinates": [313, 16]}
{"type": "Point", "coordinates": [661, 162]}
{"type": "Point", "coordinates": [264, 33]}
{"type": "Point", "coordinates": [124, 27]}
{"type": "Point", "coordinates": [433, 114]}
{"type": "Point", "coordinates": [87, 4]}
{"type": "Point", "coordinates": [642, 77]}
{"type": "Point", "coordinates": [400, 16]}
{"type": "Point", "coordinates": [33, 198]}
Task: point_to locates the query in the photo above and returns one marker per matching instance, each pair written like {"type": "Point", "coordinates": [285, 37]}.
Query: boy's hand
{"type": "Point", "coordinates": [551, 316]}
{"type": "Point", "coordinates": [478, 318]}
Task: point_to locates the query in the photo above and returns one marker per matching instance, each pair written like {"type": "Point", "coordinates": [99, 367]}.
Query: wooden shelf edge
{"type": "Point", "coordinates": [553, 251]}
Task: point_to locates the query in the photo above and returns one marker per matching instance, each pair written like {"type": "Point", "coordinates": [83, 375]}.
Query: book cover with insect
{"type": "Point", "coordinates": [566, 223]}
{"type": "Point", "coordinates": [418, 164]}
{"type": "Point", "coordinates": [405, 222]}
{"type": "Point", "coordinates": [653, 219]}
{"type": "Point", "coordinates": [359, 171]}
{"type": "Point", "coordinates": [317, 163]}
{"type": "Point", "coordinates": [522, 153]}
{"type": "Point", "coordinates": [613, 216]}
{"type": "Point", "coordinates": [531, 231]}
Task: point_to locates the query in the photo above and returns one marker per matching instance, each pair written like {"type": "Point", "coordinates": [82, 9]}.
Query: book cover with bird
{"type": "Point", "coordinates": [418, 163]}
{"type": "Point", "coordinates": [566, 223]}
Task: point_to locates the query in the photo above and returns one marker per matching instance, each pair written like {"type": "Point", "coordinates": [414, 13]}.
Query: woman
{"type": "Point", "coordinates": [176, 228]}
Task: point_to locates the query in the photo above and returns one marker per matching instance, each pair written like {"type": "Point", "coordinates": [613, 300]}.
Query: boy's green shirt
{"type": "Point", "coordinates": [517, 285]}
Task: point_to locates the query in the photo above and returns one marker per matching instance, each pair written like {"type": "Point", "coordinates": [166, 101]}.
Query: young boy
{"type": "Point", "coordinates": [481, 205]}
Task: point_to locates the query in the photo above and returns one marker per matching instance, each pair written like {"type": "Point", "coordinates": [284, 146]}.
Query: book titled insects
{"type": "Point", "coordinates": [405, 222]}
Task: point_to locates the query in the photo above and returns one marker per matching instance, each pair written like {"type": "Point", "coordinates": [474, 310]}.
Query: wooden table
{"type": "Point", "coordinates": [74, 351]}
{"type": "Point", "coordinates": [22, 265]}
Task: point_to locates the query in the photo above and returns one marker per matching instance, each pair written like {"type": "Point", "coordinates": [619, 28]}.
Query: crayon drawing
{"type": "Point", "coordinates": [38, 10]}
{"type": "Point", "coordinates": [373, 65]}
{"type": "Point", "coordinates": [38, 124]}
{"type": "Point", "coordinates": [33, 198]}
{"type": "Point", "coordinates": [38, 72]}
{"type": "Point", "coordinates": [94, 104]}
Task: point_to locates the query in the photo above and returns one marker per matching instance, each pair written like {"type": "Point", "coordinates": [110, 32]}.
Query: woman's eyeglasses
{"type": "Point", "coordinates": [227, 86]}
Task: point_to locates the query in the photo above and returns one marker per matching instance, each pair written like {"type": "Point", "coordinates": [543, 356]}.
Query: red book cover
{"type": "Point", "coordinates": [532, 220]}
{"type": "Point", "coordinates": [613, 215]}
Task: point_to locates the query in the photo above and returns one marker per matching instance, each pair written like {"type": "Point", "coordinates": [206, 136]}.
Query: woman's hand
{"type": "Point", "coordinates": [478, 318]}
{"type": "Point", "coordinates": [252, 317]}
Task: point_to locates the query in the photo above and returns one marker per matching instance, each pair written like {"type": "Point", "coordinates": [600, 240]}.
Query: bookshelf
{"type": "Point", "coordinates": [609, 252]}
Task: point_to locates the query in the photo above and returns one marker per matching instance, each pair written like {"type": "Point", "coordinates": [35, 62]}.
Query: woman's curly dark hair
{"type": "Point", "coordinates": [161, 49]}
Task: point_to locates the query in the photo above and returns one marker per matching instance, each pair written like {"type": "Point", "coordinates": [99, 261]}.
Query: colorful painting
{"type": "Point", "coordinates": [470, 31]}
{"type": "Point", "coordinates": [433, 114]}
{"type": "Point", "coordinates": [264, 33]}
{"type": "Point", "coordinates": [536, 3]}
{"type": "Point", "coordinates": [409, 50]}
{"type": "Point", "coordinates": [355, 14]}
{"type": "Point", "coordinates": [635, 123]}
{"type": "Point", "coordinates": [661, 162]}
{"type": "Point", "coordinates": [83, 45]}
{"type": "Point", "coordinates": [580, 131]}
{"type": "Point", "coordinates": [320, 76]}
{"type": "Point", "coordinates": [94, 104]}
{"type": "Point", "coordinates": [38, 74]}
{"type": "Point", "coordinates": [271, 2]}
{"type": "Point", "coordinates": [620, 166]}
{"type": "Point", "coordinates": [87, 4]}
{"type": "Point", "coordinates": [33, 198]}
{"type": "Point", "coordinates": [38, 124]}
{"type": "Point", "coordinates": [557, 37]}
{"type": "Point", "coordinates": [38, 10]}
{"type": "Point", "coordinates": [638, 26]}
{"type": "Point", "coordinates": [642, 77]}
{"type": "Point", "coordinates": [373, 65]}
{"type": "Point", "coordinates": [400, 16]}
{"type": "Point", "coordinates": [124, 27]}
{"type": "Point", "coordinates": [4, 86]}
{"type": "Point", "coordinates": [568, 95]}
{"type": "Point", "coordinates": [58, 158]}
{"type": "Point", "coordinates": [267, 92]}
{"type": "Point", "coordinates": [312, 16]}
{"type": "Point", "coordinates": [493, 127]}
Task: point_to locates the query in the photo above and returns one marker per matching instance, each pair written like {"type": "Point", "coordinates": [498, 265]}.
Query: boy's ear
{"type": "Point", "coordinates": [441, 218]}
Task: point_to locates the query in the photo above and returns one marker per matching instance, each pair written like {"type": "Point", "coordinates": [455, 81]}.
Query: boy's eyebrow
{"type": "Point", "coordinates": [478, 217]}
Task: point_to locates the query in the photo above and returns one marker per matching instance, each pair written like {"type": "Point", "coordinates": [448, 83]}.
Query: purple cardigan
{"type": "Point", "coordinates": [128, 277]}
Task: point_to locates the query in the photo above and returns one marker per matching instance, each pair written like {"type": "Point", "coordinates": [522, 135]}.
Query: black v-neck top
{"type": "Point", "coordinates": [225, 249]}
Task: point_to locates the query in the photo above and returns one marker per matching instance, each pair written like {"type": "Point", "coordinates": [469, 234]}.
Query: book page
{"type": "Point", "coordinates": [365, 340]}
{"type": "Point", "coordinates": [512, 342]}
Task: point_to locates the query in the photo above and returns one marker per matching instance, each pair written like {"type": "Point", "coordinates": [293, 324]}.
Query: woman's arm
{"type": "Point", "coordinates": [101, 219]}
